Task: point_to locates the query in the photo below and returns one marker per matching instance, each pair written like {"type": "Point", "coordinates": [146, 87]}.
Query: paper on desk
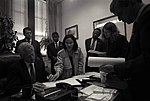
{"type": "Point", "coordinates": [97, 89]}
{"type": "Point", "coordinates": [88, 90]}
{"type": "Point", "coordinates": [50, 84]}
{"type": "Point", "coordinates": [71, 81]}
{"type": "Point", "coordinates": [99, 97]}
{"type": "Point", "coordinates": [98, 93]}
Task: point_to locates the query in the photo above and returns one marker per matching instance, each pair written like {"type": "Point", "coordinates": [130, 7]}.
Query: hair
{"type": "Point", "coordinates": [26, 28]}
{"type": "Point", "coordinates": [25, 48]}
{"type": "Point", "coordinates": [75, 46]}
{"type": "Point", "coordinates": [110, 26]}
{"type": "Point", "coordinates": [117, 4]}
{"type": "Point", "coordinates": [98, 30]}
{"type": "Point", "coordinates": [55, 33]}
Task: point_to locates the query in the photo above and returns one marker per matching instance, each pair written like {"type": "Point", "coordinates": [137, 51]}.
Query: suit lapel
{"type": "Point", "coordinates": [25, 73]}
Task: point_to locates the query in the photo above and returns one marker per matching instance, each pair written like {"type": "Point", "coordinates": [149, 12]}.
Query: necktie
{"type": "Point", "coordinates": [92, 45]}
{"type": "Point", "coordinates": [32, 73]}
{"type": "Point", "coordinates": [56, 45]}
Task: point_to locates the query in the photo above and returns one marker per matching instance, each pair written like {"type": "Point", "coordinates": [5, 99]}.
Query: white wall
{"type": "Point", "coordinates": [83, 13]}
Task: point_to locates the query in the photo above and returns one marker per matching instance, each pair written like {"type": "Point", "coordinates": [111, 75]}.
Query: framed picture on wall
{"type": "Point", "coordinates": [72, 30]}
{"type": "Point", "coordinates": [120, 25]}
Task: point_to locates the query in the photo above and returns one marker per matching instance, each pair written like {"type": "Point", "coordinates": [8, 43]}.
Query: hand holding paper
{"type": "Point", "coordinates": [107, 68]}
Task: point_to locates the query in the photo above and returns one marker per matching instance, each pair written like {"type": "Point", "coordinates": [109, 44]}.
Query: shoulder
{"type": "Point", "coordinates": [145, 15]}
{"type": "Point", "coordinates": [50, 44]}
{"type": "Point", "coordinates": [99, 39]}
{"type": "Point", "coordinates": [35, 41]}
{"type": "Point", "coordinates": [17, 65]}
{"type": "Point", "coordinates": [78, 51]}
{"type": "Point", "coordinates": [20, 41]}
{"type": "Point", "coordinates": [88, 39]}
{"type": "Point", "coordinates": [38, 60]}
{"type": "Point", "coordinates": [121, 37]}
{"type": "Point", "coordinates": [62, 51]}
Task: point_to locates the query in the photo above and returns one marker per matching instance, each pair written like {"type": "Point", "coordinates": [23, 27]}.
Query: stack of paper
{"type": "Point", "coordinates": [98, 93]}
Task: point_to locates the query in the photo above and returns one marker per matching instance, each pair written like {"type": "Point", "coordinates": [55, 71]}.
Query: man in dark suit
{"type": "Point", "coordinates": [52, 50]}
{"type": "Point", "coordinates": [94, 47]}
{"type": "Point", "coordinates": [27, 32]}
{"type": "Point", "coordinates": [136, 69]}
{"type": "Point", "coordinates": [27, 74]}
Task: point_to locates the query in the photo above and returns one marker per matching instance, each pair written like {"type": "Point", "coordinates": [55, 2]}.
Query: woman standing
{"type": "Point", "coordinates": [70, 59]}
{"type": "Point", "coordinates": [116, 45]}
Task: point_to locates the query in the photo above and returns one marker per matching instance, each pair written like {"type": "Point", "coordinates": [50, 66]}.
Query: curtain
{"type": "Point", "coordinates": [6, 8]}
{"type": "Point", "coordinates": [54, 21]}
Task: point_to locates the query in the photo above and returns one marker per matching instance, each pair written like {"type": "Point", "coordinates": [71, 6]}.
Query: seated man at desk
{"type": "Point", "coordinates": [27, 74]}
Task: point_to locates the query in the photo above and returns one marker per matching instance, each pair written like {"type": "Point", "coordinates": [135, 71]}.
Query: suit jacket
{"type": "Point", "coordinates": [136, 68]}
{"type": "Point", "coordinates": [19, 77]}
{"type": "Point", "coordinates": [52, 51]}
{"type": "Point", "coordinates": [35, 44]}
{"type": "Point", "coordinates": [99, 46]}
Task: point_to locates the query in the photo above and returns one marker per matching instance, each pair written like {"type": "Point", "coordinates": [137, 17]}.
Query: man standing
{"type": "Point", "coordinates": [52, 50]}
{"type": "Point", "coordinates": [94, 47]}
{"type": "Point", "coordinates": [27, 32]}
{"type": "Point", "coordinates": [136, 69]}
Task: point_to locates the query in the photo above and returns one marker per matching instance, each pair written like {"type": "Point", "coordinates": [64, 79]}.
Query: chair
{"type": "Point", "coordinates": [5, 61]}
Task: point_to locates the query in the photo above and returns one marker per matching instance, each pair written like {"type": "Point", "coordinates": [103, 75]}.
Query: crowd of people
{"type": "Point", "coordinates": [67, 60]}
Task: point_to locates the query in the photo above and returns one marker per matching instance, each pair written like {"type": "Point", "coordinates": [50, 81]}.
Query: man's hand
{"type": "Point", "coordinates": [38, 87]}
{"type": "Point", "coordinates": [107, 68]}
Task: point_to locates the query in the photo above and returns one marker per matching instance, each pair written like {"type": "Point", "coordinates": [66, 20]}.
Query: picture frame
{"type": "Point", "coordinates": [72, 30]}
{"type": "Point", "coordinates": [120, 25]}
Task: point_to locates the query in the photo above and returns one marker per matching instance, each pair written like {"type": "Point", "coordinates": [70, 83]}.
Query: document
{"type": "Point", "coordinates": [99, 61]}
{"type": "Point", "coordinates": [98, 93]}
{"type": "Point", "coordinates": [71, 81]}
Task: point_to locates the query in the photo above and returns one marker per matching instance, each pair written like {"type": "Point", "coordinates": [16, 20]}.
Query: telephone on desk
{"type": "Point", "coordinates": [62, 92]}
{"type": "Point", "coordinates": [63, 85]}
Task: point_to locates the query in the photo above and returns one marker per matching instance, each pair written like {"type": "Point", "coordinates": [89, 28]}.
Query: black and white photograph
{"type": "Point", "coordinates": [74, 50]}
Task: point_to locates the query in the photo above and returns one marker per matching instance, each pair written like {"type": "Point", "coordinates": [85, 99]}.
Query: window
{"type": "Point", "coordinates": [20, 16]}
{"type": "Point", "coordinates": [40, 19]}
